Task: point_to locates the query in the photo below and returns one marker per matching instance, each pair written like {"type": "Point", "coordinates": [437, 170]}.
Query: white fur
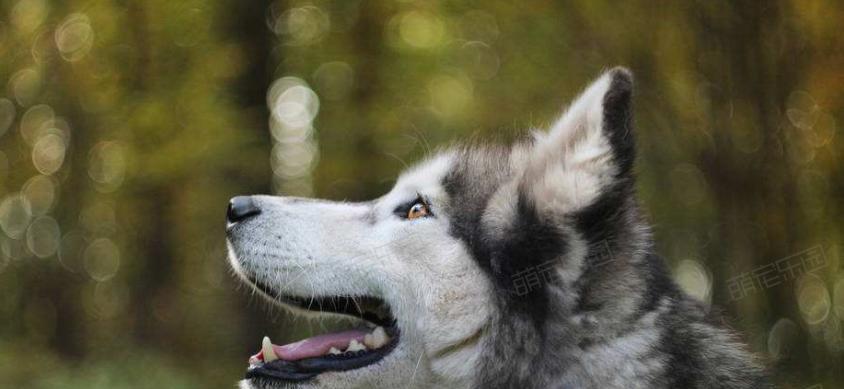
{"type": "Point", "coordinates": [572, 163]}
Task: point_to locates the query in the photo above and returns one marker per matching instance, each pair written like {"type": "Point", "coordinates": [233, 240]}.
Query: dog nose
{"type": "Point", "coordinates": [240, 208]}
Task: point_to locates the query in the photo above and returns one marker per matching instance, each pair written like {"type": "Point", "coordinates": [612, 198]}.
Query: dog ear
{"type": "Point", "coordinates": [588, 150]}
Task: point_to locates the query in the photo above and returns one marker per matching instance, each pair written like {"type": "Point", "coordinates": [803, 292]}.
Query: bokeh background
{"type": "Point", "coordinates": [125, 126]}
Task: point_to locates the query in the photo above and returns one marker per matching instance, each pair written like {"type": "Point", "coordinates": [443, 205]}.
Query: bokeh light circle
{"type": "Point", "coordinates": [71, 251]}
{"type": "Point", "coordinates": [694, 278]}
{"type": "Point", "coordinates": [293, 160]}
{"type": "Point", "coordinates": [14, 248]}
{"type": "Point", "coordinates": [302, 25]}
{"type": "Point", "coordinates": [41, 192]}
{"type": "Point", "coordinates": [36, 122]}
{"type": "Point", "coordinates": [107, 165]}
{"type": "Point", "coordinates": [28, 15]}
{"type": "Point", "coordinates": [102, 259]}
{"type": "Point", "coordinates": [293, 103]}
{"type": "Point", "coordinates": [15, 214]}
{"type": "Point", "coordinates": [802, 110]}
{"type": "Point", "coordinates": [26, 86]}
{"type": "Point", "coordinates": [421, 29]}
{"type": "Point", "coordinates": [781, 338]}
{"type": "Point", "coordinates": [48, 154]}
{"type": "Point", "coordinates": [43, 237]}
{"type": "Point", "coordinates": [74, 37]}
{"type": "Point", "coordinates": [450, 95]}
{"type": "Point", "coordinates": [812, 299]}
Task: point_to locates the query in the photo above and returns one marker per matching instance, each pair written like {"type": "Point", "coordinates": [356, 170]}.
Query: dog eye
{"type": "Point", "coordinates": [414, 209]}
{"type": "Point", "coordinates": [417, 210]}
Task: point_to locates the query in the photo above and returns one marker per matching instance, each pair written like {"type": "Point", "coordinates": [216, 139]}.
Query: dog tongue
{"type": "Point", "coordinates": [316, 346]}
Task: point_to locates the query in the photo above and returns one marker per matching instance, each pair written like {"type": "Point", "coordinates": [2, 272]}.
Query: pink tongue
{"type": "Point", "coordinates": [318, 345]}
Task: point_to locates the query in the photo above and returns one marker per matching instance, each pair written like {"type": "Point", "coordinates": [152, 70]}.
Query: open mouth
{"type": "Point", "coordinates": [373, 337]}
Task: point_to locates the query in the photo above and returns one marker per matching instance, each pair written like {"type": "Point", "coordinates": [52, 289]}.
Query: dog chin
{"type": "Point", "coordinates": [266, 384]}
{"type": "Point", "coordinates": [257, 383]}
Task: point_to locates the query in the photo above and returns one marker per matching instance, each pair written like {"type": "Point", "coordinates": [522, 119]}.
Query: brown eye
{"type": "Point", "coordinates": [417, 210]}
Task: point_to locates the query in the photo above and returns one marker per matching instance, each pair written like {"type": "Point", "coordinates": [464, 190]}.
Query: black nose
{"type": "Point", "coordinates": [240, 208]}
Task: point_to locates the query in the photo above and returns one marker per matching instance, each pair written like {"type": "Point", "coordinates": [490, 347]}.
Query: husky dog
{"type": "Point", "coordinates": [528, 266]}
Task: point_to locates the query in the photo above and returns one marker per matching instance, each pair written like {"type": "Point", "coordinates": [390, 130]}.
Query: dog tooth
{"type": "Point", "coordinates": [369, 341]}
{"type": "Point", "coordinates": [354, 345]}
{"type": "Point", "coordinates": [376, 339]}
{"type": "Point", "coordinates": [334, 351]}
{"type": "Point", "coordinates": [267, 349]}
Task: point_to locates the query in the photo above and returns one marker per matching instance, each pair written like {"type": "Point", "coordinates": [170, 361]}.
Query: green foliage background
{"type": "Point", "coordinates": [125, 126]}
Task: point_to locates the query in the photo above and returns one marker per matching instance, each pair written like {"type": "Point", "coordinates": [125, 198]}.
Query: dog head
{"type": "Point", "coordinates": [468, 246]}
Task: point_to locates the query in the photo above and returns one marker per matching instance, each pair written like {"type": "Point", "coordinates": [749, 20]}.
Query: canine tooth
{"type": "Point", "coordinates": [376, 339]}
{"type": "Point", "coordinates": [354, 345]}
{"type": "Point", "coordinates": [267, 349]}
{"type": "Point", "coordinates": [334, 351]}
